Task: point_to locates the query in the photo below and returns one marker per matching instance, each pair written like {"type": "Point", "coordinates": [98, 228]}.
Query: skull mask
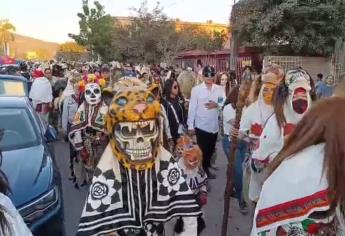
{"type": "Point", "coordinates": [93, 94]}
{"type": "Point", "coordinates": [137, 139]}
{"type": "Point", "coordinates": [134, 123]}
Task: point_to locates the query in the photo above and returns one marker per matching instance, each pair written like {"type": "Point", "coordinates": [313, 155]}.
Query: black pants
{"type": "Point", "coordinates": [207, 143]}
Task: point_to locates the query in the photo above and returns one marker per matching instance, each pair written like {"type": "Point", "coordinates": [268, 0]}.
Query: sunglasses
{"type": "Point", "coordinates": [175, 87]}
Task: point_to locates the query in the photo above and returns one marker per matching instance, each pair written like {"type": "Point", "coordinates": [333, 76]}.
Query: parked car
{"type": "Point", "coordinates": [13, 86]}
{"type": "Point", "coordinates": [29, 163]}
{"type": "Point", "coordinates": [10, 69]}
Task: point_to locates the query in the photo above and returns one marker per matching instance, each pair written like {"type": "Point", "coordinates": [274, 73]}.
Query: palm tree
{"type": "Point", "coordinates": [6, 35]}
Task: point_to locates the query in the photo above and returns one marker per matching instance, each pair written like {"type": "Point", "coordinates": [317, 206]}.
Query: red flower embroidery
{"type": "Point", "coordinates": [288, 129]}
{"type": "Point", "coordinates": [256, 129]}
{"type": "Point", "coordinates": [313, 228]}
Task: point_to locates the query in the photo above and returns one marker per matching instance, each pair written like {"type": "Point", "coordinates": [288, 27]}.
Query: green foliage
{"type": "Point", "coordinates": [96, 30]}
{"type": "Point", "coordinates": [305, 27]}
{"type": "Point", "coordinates": [148, 38]}
{"type": "Point", "coordinates": [6, 35]}
{"type": "Point", "coordinates": [152, 37]}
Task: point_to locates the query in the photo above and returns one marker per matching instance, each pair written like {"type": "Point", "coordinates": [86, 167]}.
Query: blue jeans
{"type": "Point", "coordinates": [240, 157]}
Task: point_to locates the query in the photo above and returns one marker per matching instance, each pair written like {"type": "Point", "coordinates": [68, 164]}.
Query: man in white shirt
{"type": "Point", "coordinates": [203, 115]}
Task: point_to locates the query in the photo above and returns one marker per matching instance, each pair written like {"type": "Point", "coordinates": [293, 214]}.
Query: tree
{"type": "Point", "coordinates": [152, 37]}
{"type": "Point", "coordinates": [303, 27]}
{"type": "Point", "coordinates": [199, 38]}
{"type": "Point", "coordinates": [43, 54]}
{"type": "Point", "coordinates": [71, 47]}
{"type": "Point", "coordinates": [96, 31]}
{"type": "Point", "coordinates": [6, 35]}
{"type": "Point", "coordinates": [149, 38]}
{"type": "Point", "coordinates": [72, 51]}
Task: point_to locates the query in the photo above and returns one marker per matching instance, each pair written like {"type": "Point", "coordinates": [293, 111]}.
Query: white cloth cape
{"type": "Point", "coordinates": [196, 178]}
{"type": "Point", "coordinates": [87, 116]}
{"type": "Point", "coordinates": [300, 179]}
{"type": "Point", "coordinates": [272, 138]}
{"type": "Point", "coordinates": [14, 219]}
{"type": "Point", "coordinates": [41, 91]}
{"type": "Point", "coordinates": [122, 199]}
{"type": "Point", "coordinates": [257, 112]}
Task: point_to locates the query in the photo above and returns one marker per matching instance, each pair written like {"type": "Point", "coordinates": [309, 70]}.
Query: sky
{"type": "Point", "coordinates": [52, 20]}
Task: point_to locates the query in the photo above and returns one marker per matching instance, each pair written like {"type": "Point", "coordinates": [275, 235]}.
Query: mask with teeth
{"type": "Point", "coordinates": [93, 94]}
{"type": "Point", "coordinates": [192, 158]}
{"type": "Point", "coordinates": [133, 122]}
{"type": "Point", "coordinates": [189, 152]}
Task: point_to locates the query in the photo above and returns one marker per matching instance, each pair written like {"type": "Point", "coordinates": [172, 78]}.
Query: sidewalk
{"type": "Point", "coordinates": [239, 224]}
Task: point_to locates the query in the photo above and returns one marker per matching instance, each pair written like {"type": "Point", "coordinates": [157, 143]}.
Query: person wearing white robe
{"type": "Point", "coordinates": [303, 193]}
{"type": "Point", "coordinates": [41, 94]}
{"type": "Point", "coordinates": [293, 98]}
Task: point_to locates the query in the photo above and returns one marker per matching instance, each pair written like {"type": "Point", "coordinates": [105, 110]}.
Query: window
{"type": "Point", "coordinates": [18, 129]}
{"type": "Point", "coordinates": [12, 88]}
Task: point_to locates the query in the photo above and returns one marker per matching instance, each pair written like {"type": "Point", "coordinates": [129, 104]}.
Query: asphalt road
{"type": "Point", "coordinates": [239, 225]}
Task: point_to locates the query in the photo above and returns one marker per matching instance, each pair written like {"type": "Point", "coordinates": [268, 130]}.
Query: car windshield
{"type": "Point", "coordinates": [18, 130]}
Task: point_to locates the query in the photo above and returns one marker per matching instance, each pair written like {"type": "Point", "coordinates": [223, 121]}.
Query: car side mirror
{"type": "Point", "coordinates": [51, 134]}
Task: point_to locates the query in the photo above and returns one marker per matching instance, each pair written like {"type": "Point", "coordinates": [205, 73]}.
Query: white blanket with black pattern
{"type": "Point", "coordinates": [121, 199]}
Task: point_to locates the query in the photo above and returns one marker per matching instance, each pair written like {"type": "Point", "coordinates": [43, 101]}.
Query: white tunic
{"type": "Point", "coordinates": [298, 177]}
{"type": "Point", "coordinates": [16, 222]}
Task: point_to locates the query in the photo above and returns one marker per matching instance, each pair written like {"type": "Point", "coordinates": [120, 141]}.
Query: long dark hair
{"type": "Point", "coordinates": [323, 123]}
{"type": "Point", "coordinates": [230, 82]}
{"type": "Point", "coordinates": [168, 87]}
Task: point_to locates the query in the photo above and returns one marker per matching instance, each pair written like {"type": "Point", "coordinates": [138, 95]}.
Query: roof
{"type": "Point", "coordinates": [6, 65]}
{"type": "Point", "coordinates": [13, 77]}
{"type": "Point", "coordinates": [14, 102]}
{"type": "Point", "coordinates": [242, 51]}
{"type": "Point", "coordinates": [193, 53]}
{"type": "Point", "coordinates": [219, 52]}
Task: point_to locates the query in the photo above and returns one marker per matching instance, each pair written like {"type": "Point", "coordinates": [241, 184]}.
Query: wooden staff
{"type": "Point", "coordinates": [242, 96]}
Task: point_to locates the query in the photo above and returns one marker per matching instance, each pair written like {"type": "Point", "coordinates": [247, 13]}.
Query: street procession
{"type": "Point", "coordinates": [172, 118]}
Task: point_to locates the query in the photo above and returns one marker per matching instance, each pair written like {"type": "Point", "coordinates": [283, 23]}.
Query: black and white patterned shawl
{"type": "Point", "coordinates": [121, 199]}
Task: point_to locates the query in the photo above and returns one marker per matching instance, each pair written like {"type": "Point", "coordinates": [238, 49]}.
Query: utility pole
{"type": "Point", "coordinates": [233, 48]}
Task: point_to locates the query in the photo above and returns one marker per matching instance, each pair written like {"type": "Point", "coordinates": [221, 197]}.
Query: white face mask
{"type": "Point", "coordinates": [296, 108]}
{"type": "Point", "coordinates": [93, 94]}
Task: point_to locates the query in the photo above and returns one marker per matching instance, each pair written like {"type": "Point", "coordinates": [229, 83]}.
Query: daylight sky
{"type": "Point", "coordinates": [52, 20]}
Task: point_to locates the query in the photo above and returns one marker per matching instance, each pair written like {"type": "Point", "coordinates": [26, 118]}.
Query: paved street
{"type": "Point", "coordinates": [74, 199]}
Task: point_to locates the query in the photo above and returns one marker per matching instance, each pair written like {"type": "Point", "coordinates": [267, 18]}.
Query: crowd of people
{"type": "Point", "coordinates": [143, 139]}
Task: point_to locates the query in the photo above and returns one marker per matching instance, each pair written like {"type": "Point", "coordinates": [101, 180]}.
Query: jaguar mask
{"type": "Point", "coordinates": [133, 124]}
{"type": "Point", "coordinates": [189, 152]}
